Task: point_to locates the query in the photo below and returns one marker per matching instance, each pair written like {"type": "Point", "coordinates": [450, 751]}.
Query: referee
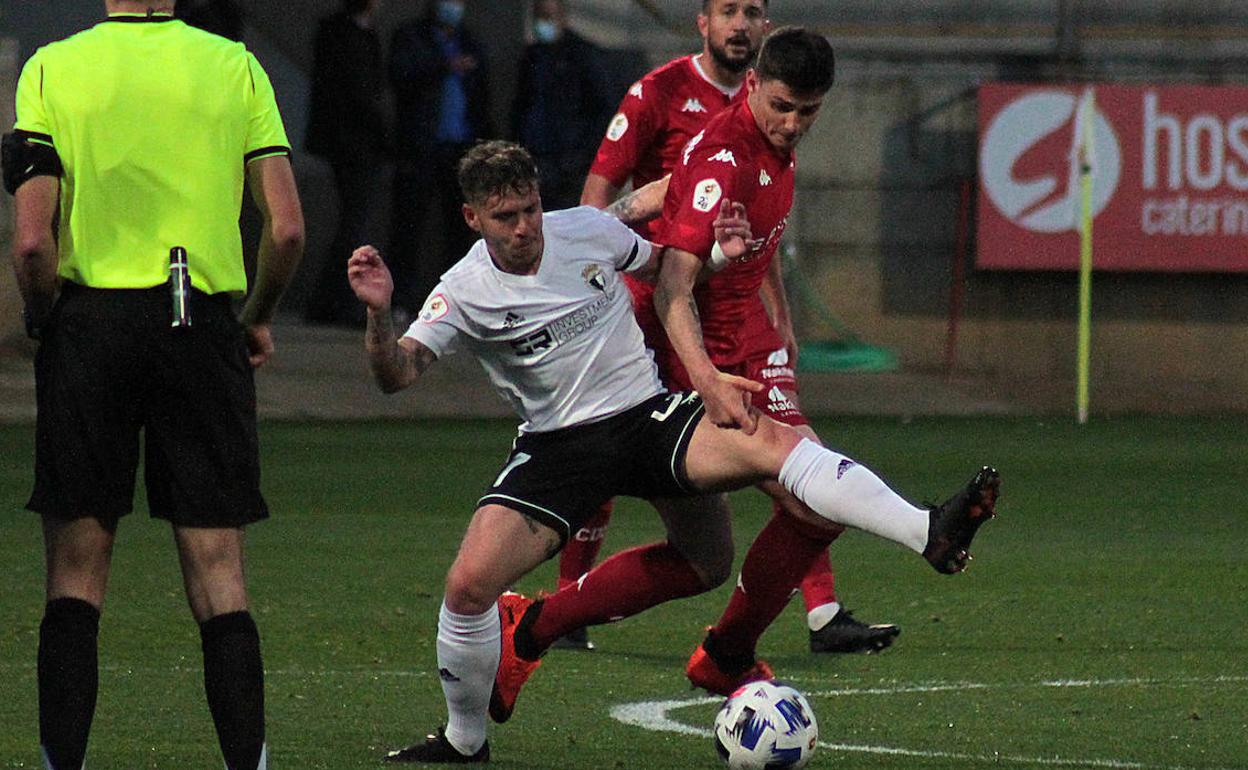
{"type": "Point", "coordinates": [137, 134]}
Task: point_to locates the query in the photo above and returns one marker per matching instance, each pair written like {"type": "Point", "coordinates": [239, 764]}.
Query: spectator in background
{"type": "Point", "coordinates": [438, 71]}
{"type": "Point", "coordinates": [562, 104]}
{"type": "Point", "coordinates": [348, 126]}
{"type": "Point", "coordinates": [220, 17]}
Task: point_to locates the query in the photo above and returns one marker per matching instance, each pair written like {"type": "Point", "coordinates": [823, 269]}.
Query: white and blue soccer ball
{"type": "Point", "coordinates": [766, 725]}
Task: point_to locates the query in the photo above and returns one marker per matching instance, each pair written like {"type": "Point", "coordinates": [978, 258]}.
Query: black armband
{"type": "Point", "coordinates": [26, 154]}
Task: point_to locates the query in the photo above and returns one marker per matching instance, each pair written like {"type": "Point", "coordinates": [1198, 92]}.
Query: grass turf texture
{"type": "Point", "coordinates": [1104, 622]}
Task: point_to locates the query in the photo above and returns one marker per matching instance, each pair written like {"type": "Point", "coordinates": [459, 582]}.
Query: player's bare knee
{"type": "Point", "coordinates": [773, 441]}
{"type": "Point", "coordinates": [470, 591]}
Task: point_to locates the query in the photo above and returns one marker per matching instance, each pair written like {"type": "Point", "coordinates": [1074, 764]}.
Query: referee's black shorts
{"type": "Point", "coordinates": [109, 367]}
{"type": "Point", "coordinates": [561, 477]}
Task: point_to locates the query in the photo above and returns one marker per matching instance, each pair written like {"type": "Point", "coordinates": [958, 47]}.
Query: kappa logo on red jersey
{"type": "Point", "coordinates": [706, 194]}
{"type": "Point", "coordinates": [634, 90]}
{"type": "Point", "coordinates": [724, 156]}
{"type": "Point", "coordinates": [435, 308]}
{"type": "Point", "coordinates": [693, 105]}
{"type": "Point", "coordinates": [764, 178]}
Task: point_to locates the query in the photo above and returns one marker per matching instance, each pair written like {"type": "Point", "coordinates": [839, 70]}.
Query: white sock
{"type": "Point", "coordinates": [822, 615]}
{"type": "Point", "coordinates": [468, 653]}
{"type": "Point", "coordinates": [838, 488]}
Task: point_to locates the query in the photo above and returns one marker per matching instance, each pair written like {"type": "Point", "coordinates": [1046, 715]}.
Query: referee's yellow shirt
{"type": "Point", "coordinates": [154, 122]}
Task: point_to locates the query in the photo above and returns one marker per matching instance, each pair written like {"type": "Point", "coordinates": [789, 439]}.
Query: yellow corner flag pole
{"type": "Point", "coordinates": [1085, 141]}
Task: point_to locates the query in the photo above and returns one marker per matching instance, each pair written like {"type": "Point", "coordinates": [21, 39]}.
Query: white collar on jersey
{"type": "Point", "coordinates": [696, 60]}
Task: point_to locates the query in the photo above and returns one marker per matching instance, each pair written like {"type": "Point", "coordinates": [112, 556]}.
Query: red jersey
{"type": "Point", "coordinates": [658, 116]}
{"type": "Point", "coordinates": [731, 159]}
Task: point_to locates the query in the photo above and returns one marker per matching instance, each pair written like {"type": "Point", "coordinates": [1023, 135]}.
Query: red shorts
{"type": "Point", "coordinates": [771, 369]}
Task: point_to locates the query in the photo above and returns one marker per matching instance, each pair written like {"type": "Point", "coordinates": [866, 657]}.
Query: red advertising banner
{"type": "Point", "coordinates": [1170, 177]}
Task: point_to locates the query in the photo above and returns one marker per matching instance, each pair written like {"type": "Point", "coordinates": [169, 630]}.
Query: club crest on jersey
{"type": "Point", "coordinates": [693, 105]}
{"type": "Point", "coordinates": [618, 127]}
{"type": "Point", "coordinates": [706, 194]}
{"type": "Point", "coordinates": [764, 178]}
{"type": "Point", "coordinates": [634, 89]}
{"type": "Point", "coordinates": [724, 156]}
{"type": "Point", "coordinates": [594, 277]}
{"type": "Point", "coordinates": [435, 308]}
{"type": "Point", "coordinates": [691, 144]}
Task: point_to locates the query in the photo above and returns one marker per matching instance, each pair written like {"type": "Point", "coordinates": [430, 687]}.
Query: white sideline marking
{"type": "Point", "coordinates": [653, 715]}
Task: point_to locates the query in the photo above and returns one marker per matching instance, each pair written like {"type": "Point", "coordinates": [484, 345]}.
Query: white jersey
{"type": "Point", "coordinates": [561, 346]}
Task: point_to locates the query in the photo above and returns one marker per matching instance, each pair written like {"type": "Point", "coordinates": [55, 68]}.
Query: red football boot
{"type": "Point", "coordinates": [513, 670]}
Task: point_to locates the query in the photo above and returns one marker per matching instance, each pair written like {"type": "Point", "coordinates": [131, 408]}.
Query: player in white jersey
{"type": "Point", "coordinates": [539, 302]}
{"type": "Point", "coordinates": [542, 338]}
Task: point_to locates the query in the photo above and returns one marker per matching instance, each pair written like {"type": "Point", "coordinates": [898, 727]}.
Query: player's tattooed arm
{"type": "Point", "coordinates": [395, 363]}
{"type": "Point", "coordinates": [641, 205]}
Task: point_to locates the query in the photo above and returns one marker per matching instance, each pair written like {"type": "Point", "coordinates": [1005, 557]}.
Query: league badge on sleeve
{"type": "Point", "coordinates": [436, 307]}
{"type": "Point", "coordinates": [706, 194]}
{"type": "Point", "coordinates": [618, 127]}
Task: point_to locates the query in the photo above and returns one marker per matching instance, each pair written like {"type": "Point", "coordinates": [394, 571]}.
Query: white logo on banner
{"type": "Point", "coordinates": [1029, 161]}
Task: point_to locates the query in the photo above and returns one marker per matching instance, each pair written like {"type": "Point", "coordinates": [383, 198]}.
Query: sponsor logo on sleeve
{"type": "Point", "coordinates": [778, 402]}
{"type": "Point", "coordinates": [618, 127]}
{"type": "Point", "coordinates": [706, 194]}
{"type": "Point", "coordinates": [436, 308]}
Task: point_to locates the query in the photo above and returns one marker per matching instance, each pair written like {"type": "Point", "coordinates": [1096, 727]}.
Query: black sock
{"type": "Point", "coordinates": [526, 647]}
{"type": "Point", "coordinates": [234, 682]}
{"type": "Point", "coordinates": [728, 663]}
{"type": "Point", "coordinates": [68, 680]}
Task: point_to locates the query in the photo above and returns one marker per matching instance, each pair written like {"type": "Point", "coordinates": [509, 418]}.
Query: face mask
{"type": "Point", "coordinates": [545, 31]}
{"type": "Point", "coordinates": [450, 12]}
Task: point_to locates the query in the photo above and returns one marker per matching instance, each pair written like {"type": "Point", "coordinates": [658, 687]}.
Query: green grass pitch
{"type": "Point", "coordinates": [1103, 624]}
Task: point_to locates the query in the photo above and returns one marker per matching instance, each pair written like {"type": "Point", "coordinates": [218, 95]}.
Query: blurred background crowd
{"type": "Point", "coordinates": [380, 97]}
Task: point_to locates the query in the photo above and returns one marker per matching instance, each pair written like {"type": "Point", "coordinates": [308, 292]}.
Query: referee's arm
{"type": "Point", "coordinates": [34, 245]}
{"type": "Point", "coordinates": [281, 248]}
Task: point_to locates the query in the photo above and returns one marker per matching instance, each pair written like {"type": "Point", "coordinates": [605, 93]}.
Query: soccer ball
{"type": "Point", "coordinates": [765, 725]}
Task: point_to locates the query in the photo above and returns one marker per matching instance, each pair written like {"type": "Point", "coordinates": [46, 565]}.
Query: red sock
{"type": "Point", "coordinates": [623, 585]}
{"type": "Point", "coordinates": [581, 551]}
{"type": "Point", "coordinates": [778, 558]}
{"type": "Point", "coordinates": [819, 585]}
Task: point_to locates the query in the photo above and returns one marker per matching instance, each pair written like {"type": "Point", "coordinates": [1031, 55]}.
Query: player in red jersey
{"type": "Point", "coordinates": [718, 325]}
{"type": "Point", "coordinates": [658, 117]}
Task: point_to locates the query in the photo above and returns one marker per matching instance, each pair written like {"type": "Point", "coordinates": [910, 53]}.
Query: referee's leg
{"type": "Point", "coordinates": [78, 553]}
{"type": "Point", "coordinates": [212, 572]}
